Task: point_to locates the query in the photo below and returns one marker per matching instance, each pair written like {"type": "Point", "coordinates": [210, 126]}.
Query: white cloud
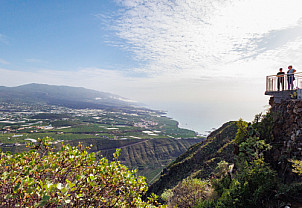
{"type": "Point", "coordinates": [206, 58]}
{"type": "Point", "coordinates": [209, 57]}
{"type": "Point", "coordinates": [200, 37]}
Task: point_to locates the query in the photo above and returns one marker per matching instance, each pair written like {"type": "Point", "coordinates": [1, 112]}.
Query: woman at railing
{"type": "Point", "coordinates": [290, 77]}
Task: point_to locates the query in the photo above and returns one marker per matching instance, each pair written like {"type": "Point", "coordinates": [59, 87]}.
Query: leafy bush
{"type": "Point", "coordinates": [252, 149]}
{"type": "Point", "coordinates": [187, 193]}
{"type": "Point", "coordinates": [254, 184]}
{"type": "Point", "coordinates": [222, 169]}
{"type": "Point", "coordinates": [264, 124]}
{"type": "Point", "coordinates": [68, 178]}
{"type": "Point", "coordinates": [297, 166]}
{"type": "Point", "coordinates": [242, 132]}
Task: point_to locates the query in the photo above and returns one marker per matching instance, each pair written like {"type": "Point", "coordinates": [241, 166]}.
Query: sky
{"type": "Point", "coordinates": [202, 61]}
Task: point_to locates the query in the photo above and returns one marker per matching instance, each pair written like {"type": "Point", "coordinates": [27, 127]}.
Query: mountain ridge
{"type": "Point", "coordinates": [72, 97]}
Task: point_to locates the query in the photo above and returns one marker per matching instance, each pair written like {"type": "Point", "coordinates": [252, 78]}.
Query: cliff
{"type": "Point", "coordinates": [286, 138]}
{"type": "Point", "coordinates": [280, 129]}
{"type": "Point", "coordinates": [200, 160]}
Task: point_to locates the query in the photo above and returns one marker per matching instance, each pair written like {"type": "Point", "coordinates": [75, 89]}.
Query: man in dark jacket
{"type": "Point", "coordinates": [280, 76]}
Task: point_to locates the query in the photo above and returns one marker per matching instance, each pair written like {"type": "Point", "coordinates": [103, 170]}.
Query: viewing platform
{"type": "Point", "coordinates": [284, 91]}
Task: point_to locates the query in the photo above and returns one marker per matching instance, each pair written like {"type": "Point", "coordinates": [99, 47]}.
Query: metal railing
{"type": "Point", "coordinates": [285, 82]}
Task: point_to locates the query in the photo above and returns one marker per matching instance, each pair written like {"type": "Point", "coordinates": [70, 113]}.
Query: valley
{"type": "Point", "coordinates": [148, 139]}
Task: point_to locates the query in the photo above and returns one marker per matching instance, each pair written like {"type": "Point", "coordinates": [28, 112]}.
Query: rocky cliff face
{"type": "Point", "coordinates": [287, 137]}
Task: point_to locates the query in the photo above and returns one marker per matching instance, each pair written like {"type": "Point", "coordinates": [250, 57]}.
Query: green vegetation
{"type": "Point", "coordinates": [297, 165]}
{"type": "Point", "coordinates": [96, 123]}
{"type": "Point", "coordinates": [254, 183]}
{"type": "Point", "coordinates": [200, 160]}
{"type": "Point", "coordinates": [187, 193]}
{"type": "Point", "coordinates": [148, 156]}
{"type": "Point", "coordinates": [146, 138]}
{"type": "Point", "coordinates": [50, 116]}
{"type": "Point", "coordinates": [70, 177]}
{"type": "Point", "coordinates": [246, 181]}
{"type": "Point", "coordinates": [23, 138]}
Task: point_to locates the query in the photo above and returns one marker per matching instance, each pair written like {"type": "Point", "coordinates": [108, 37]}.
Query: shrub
{"type": "Point", "coordinates": [188, 193]}
{"type": "Point", "coordinates": [264, 125]}
{"type": "Point", "coordinates": [297, 166]}
{"type": "Point", "coordinates": [254, 184]}
{"type": "Point", "coordinates": [68, 178]}
{"type": "Point", "coordinates": [242, 131]}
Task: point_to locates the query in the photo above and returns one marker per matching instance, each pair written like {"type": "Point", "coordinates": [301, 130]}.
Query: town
{"type": "Point", "coordinates": [23, 123]}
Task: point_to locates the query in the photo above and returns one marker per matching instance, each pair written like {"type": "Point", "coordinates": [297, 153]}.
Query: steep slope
{"type": "Point", "coordinates": [258, 180]}
{"type": "Point", "coordinates": [200, 160]}
{"type": "Point", "coordinates": [149, 157]}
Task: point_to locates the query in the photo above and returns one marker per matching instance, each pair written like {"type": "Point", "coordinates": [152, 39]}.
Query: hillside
{"type": "Point", "coordinates": [261, 164]}
{"type": "Point", "coordinates": [71, 97]}
{"type": "Point", "coordinates": [200, 160]}
{"type": "Point", "coordinates": [148, 156]}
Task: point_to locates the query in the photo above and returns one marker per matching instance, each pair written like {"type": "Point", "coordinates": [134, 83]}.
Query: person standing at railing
{"type": "Point", "coordinates": [290, 77]}
{"type": "Point", "coordinates": [280, 76]}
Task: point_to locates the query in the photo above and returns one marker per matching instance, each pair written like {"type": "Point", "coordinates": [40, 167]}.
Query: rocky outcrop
{"type": "Point", "coordinates": [287, 137]}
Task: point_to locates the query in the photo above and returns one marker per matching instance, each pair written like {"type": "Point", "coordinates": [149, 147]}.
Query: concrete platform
{"type": "Point", "coordinates": [285, 95]}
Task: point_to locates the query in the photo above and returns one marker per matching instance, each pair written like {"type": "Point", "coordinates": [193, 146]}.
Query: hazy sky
{"type": "Point", "coordinates": [204, 61]}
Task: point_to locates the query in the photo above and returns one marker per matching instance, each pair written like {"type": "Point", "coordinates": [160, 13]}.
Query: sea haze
{"type": "Point", "coordinates": [203, 118]}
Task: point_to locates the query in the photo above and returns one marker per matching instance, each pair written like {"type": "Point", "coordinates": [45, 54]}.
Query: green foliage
{"type": "Point", "coordinates": [200, 160]}
{"type": "Point", "coordinates": [242, 132]}
{"type": "Point", "coordinates": [70, 177]}
{"type": "Point", "coordinates": [187, 193]}
{"type": "Point", "coordinates": [297, 166]}
{"type": "Point", "coordinates": [294, 95]}
{"type": "Point", "coordinates": [254, 183]}
{"type": "Point", "coordinates": [264, 124]}
{"type": "Point", "coordinates": [167, 195]}
{"type": "Point", "coordinates": [222, 169]}
{"type": "Point", "coordinates": [50, 116]}
{"type": "Point", "coordinates": [211, 203]}
{"type": "Point", "coordinates": [252, 149]}
{"type": "Point", "coordinates": [253, 186]}
{"type": "Point", "coordinates": [291, 191]}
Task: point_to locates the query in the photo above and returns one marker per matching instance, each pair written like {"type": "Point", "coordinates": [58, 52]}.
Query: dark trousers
{"type": "Point", "coordinates": [290, 82]}
{"type": "Point", "coordinates": [280, 82]}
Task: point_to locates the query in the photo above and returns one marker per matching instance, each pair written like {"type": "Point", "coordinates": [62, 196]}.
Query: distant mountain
{"type": "Point", "coordinates": [72, 97]}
